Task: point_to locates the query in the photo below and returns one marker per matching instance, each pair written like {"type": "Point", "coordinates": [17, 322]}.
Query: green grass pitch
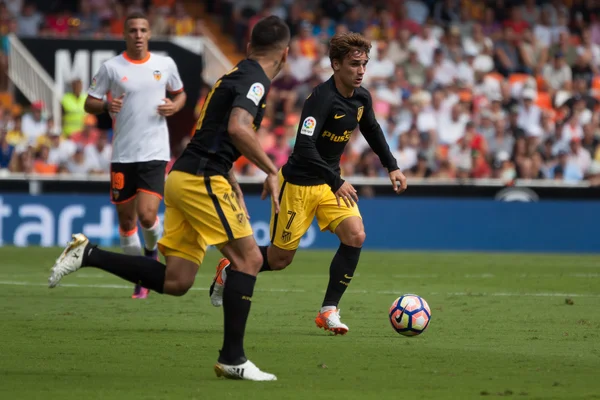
{"type": "Point", "coordinates": [518, 326]}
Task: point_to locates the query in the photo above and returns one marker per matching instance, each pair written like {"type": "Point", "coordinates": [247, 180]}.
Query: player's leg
{"type": "Point", "coordinates": [208, 209]}
{"type": "Point", "coordinates": [174, 278]}
{"type": "Point", "coordinates": [297, 209]}
{"type": "Point", "coordinates": [150, 191]}
{"type": "Point", "coordinates": [245, 259]}
{"type": "Point", "coordinates": [347, 224]}
{"type": "Point", "coordinates": [182, 246]}
{"type": "Point", "coordinates": [123, 195]}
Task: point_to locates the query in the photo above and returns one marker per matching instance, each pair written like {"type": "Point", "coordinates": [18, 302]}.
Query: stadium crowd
{"type": "Point", "coordinates": [462, 89]}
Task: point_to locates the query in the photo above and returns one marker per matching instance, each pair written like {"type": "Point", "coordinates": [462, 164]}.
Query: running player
{"type": "Point", "coordinates": [137, 81]}
{"type": "Point", "coordinates": [310, 182]}
{"type": "Point", "coordinates": [201, 199]}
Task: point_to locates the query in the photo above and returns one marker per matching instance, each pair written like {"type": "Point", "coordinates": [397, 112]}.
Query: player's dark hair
{"type": "Point", "coordinates": [135, 15]}
{"type": "Point", "coordinates": [270, 33]}
{"type": "Point", "coordinates": [342, 44]}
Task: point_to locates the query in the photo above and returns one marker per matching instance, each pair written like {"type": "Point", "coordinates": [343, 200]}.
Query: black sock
{"type": "Point", "coordinates": [265, 265]}
{"type": "Point", "coordinates": [237, 298]}
{"type": "Point", "coordinates": [140, 270]}
{"type": "Point", "coordinates": [341, 271]}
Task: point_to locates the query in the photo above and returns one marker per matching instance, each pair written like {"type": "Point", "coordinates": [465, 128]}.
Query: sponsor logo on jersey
{"type": "Point", "coordinates": [256, 92]}
{"type": "Point", "coordinates": [308, 126]}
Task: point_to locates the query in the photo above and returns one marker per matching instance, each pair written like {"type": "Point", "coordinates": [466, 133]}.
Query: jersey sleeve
{"type": "Point", "coordinates": [372, 132]}
{"type": "Point", "coordinates": [249, 92]}
{"type": "Point", "coordinates": [100, 85]}
{"type": "Point", "coordinates": [314, 114]}
{"type": "Point", "coordinates": [174, 84]}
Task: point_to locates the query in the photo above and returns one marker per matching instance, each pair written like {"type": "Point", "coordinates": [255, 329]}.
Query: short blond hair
{"type": "Point", "coordinates": [342, 44]}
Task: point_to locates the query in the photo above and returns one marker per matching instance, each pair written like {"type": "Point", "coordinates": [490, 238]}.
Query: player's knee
{"type": "Point", "coordinates": [147, 217]}
{"type": "Point", "coordinates": [281, 261]}
{"type": "Point", "coordinates": [127, 222]}
{"type": "Point", "coordinates": [356, 237]}
{"type": "Point", "coordinates": [249, 262]}
{"type": "Point", "coordinates": [180, 286]}
{"type": "Point", "coordinates": [254, 260]}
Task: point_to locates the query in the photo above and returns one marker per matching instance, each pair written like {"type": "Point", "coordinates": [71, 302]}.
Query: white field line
{"type": "Point", "coordinates": [284, 290]}
{"type": "Point", "coordinates": [585, 275]}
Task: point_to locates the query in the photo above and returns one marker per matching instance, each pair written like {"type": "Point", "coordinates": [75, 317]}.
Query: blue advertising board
{"type": "Point", "coordinates": [391, 223]}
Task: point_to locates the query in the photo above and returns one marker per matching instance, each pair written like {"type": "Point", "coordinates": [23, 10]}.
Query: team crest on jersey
{"type": "Point", "coordinates": [157, 75]}
{"type": "Point", "coordinates": [94, 83]}
{"type": "Point", "coordinates": [360, 113]}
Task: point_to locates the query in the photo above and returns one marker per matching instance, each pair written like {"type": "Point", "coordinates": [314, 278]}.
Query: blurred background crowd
{"type": "Point", "coordinates": [462, 88]}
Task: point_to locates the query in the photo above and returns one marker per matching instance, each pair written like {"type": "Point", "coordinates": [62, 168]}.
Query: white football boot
{"type": "Point", "coordinates": [246, 371]}
{"type": "Point", "coordinates": [70, 260]}
{"type": "Point", "coordinates": [330, 321]}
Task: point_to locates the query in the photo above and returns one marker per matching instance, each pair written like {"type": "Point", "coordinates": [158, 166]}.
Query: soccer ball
{"type": "Point", "coordinates": [410, 315]}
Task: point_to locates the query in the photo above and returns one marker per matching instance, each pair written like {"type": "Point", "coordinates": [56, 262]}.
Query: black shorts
{"type": "Point", "coordinates": [127, 179]}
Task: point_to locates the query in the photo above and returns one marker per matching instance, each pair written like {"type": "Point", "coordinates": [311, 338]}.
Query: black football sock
{"type": "Point", "coordinates": [341, 271]}
{"type": "Point", "coordinates": [237, 298]}
{"type": "Point", "coordinates": [140, 270]}
{"type": "Point", "coordinates": [265, 265]}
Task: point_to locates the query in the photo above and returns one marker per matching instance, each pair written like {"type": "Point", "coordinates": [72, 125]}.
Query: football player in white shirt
{"type": "Point", "coordinates": [137, 81]}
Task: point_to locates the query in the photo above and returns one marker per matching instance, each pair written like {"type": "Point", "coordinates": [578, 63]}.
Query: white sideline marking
{"type": "Point", "coordinates": [393, 292]}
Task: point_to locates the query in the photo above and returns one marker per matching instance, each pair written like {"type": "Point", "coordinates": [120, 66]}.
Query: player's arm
{"type": "Point", "coordinates": [315, 113]}
{"type": "Point", "coordinates": [95, 103]}
{"type": "Point", "coordinates": [245, 140]}
{"type": "Point", "coordinates": [373, 133]}
{"type": "Point", "coordinates": [177, 98]}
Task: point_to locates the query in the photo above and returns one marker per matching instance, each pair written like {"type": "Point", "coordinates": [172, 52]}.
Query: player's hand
{"type": "Point", "coordinates": [398, 181]}
{"type": "Point", "coordinates": [115, 104]}
{"type": "Point", "coordinates": [271, 187]}
{"type": "Point", "coordinates": [167, 108]}
{"type": "Point", "coordinates": [347, 193]}
{"type": "Point", "coordinates": [241, 202]}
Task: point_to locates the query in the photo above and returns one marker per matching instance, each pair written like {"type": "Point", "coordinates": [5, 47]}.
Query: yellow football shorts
{"type": "Point", "coordinates": [200, 211]}
{"type": "Point", "coordinates": [298, 206]}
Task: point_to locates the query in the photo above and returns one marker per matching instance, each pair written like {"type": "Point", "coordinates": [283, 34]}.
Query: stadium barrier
{"type": "Point", "coordinates": [434, 216]}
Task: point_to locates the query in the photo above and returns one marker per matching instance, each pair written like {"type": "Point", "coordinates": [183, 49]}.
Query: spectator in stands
{"type": "Point", "coordinates": [283, 93]}
{"type": "Point", "coordinates": [60, 149]}
{"type": "Point", "coordinates": [89, 21]}
{"type": "Point", "coordinates": [30, 20]}
{"type": "Point", "coordinates": [565, 168]}
{"type": "Point", "coordinates": [22, 160]}
{"type": "Point", "coordinates": [98, 154]}
{"type": "Point", "coordinates": [413, 69]}
{"type": "Point", "coordinates": [558, 74]}
{"type": "Point", "coordinates": [73, 111]}
{"type": "Point", "coordinates": [15, 134]}
{"type": "Point", "coordinates": [452, 127]}
{"type": "Point", "coordinates": [89, 133]}
{"type": "Point", "coordinates": [34, 123]}
{"type": "Point", "coordinates": [281, 149]}
{"type": "Point", "coordinates": [381, 69]}
{"type": "Point", "coordinates": [42, 163]}
{"type": "Point", "coordinates": [424, 45]}
{"type": "Point", "coordinates": [6, 151]}
{"type": "Point", "coordinates": [58, 24]}
{"type": "Point", "coordinates": [182, 24]}
{"type": "Point", "coordinates": [79, 164]}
